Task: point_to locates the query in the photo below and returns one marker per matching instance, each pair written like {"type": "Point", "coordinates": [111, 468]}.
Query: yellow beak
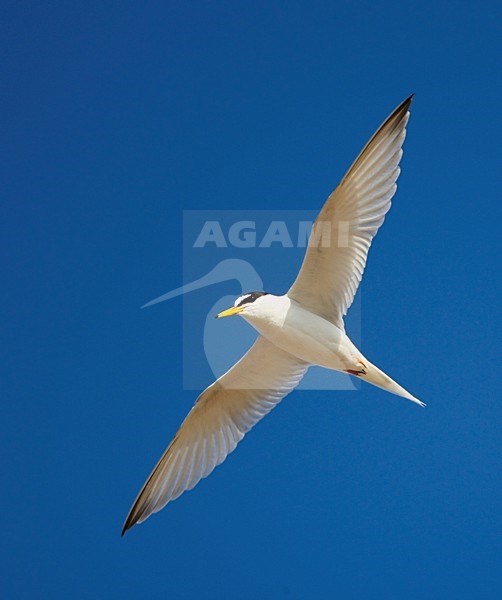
{"type": "Point", "coordinates": [235, 310]}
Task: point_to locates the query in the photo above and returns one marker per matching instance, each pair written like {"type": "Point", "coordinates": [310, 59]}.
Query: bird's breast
{"type": "Point", "coordinates": [306, 335]}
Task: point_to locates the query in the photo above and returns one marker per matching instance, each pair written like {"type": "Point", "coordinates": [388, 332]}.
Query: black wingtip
{"type": "Point", "coordinates": [127, 525]}
{"type": "Point", "coordinates": [399, 112]}
{"type": "Point", "coordinates": [408, 100]}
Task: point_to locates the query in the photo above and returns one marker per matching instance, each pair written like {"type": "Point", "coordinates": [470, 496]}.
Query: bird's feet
{"type": "Point", "coordinates": [358, 372]}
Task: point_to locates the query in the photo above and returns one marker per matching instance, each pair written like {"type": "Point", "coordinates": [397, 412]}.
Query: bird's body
{"type": "Point", "coordinates": [315, 340]}
{"type": "Point", "coordinates": [300, 328]}
{"type": "Point", "coordinates": [291, 327]}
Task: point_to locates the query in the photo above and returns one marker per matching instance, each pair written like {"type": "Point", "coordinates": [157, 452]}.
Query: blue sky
{"type": "Point", "coordinates": [116, 117]}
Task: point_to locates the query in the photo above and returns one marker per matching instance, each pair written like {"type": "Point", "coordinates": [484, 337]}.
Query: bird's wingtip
{"type": "Point", "coordinates": [405, 104]}
{"type": "Point", "coordinates": [402, 108]}
{"type": "Point", "coordinates": [126, 526]}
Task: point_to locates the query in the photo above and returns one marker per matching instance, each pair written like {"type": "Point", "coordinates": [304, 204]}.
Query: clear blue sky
{"type": "Point", "coordinates": [117, 116]}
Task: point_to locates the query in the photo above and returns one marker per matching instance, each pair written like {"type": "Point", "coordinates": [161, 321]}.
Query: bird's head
{"type": "Point", "coordinates": [247, 304]}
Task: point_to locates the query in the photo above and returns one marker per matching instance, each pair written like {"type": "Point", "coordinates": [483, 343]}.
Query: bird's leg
{"type": "Point", "coordinates": [358, 372]}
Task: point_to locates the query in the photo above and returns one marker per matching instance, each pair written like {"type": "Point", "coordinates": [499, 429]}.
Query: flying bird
{"type": "Point", "coordinates": [301, 328]}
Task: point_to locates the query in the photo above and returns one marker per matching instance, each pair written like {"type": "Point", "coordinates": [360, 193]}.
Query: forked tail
{"type": "Point", "coordinates": [378, 378]}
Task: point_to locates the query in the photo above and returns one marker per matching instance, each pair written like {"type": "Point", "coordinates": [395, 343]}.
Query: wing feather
{"type": "Point", "coordinates": [219, 419]}
{"type": "Point", "coordinates": [333, 268]}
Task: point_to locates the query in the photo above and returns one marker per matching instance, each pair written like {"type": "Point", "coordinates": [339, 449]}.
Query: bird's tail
{"type": "Point", "coordinates": [376, 377]}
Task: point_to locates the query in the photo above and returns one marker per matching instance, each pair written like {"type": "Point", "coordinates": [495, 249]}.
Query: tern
{"type": "Point", "coordinates": [303, 327]}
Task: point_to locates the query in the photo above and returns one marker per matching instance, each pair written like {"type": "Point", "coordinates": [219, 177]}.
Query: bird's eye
{"type": "Point", "coordinates": [242, 300]}
{"type": "Point", "coordinates": [248, 298]}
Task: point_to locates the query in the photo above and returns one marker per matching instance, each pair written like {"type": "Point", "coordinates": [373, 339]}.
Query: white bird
{"type": "Point", "coordinates": [301, 328]}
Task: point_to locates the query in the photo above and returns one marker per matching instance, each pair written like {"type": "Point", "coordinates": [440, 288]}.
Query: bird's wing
{"type": "Point", "coordinates": [220, 417]}
{"type": "Point", "coordinates": [338, 246]}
